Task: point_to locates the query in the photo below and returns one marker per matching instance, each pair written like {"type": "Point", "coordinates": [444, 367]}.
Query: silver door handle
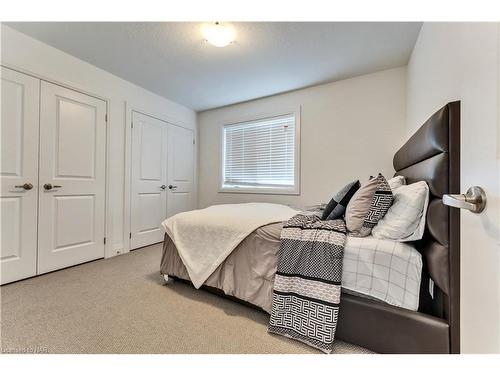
{"type": "Point", "coordinates": [163, 187]}
{"type": "Point", "coordinates": [474, 200]}
{"type": "Point", "coordinates": [172, 187]}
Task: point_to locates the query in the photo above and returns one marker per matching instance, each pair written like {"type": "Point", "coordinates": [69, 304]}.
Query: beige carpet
{"type": "Point", "coordinates": [122, 305]}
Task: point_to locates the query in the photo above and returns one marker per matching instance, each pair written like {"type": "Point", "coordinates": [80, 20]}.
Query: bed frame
{"type": "Point", "coordinates": [432, 154]}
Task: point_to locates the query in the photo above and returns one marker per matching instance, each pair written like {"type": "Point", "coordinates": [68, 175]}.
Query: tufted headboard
{"type": "Point", "coordinates": [432, 154]}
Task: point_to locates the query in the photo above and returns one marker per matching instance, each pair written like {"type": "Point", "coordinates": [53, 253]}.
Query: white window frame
{"type": "Point", "coordinates": [295, 190]}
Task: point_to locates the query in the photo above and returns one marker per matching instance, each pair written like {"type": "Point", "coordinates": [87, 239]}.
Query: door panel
{"type": "Point", "coordinates": [151, 211]}
{"type": "Point", "coordinates": [151, 151]}
{"type": "Point", "coordinates": [74, 221]}
{"type": "Point", "coordinates": [75, 135]}
{"type": "Point", "coordinates": [149, 173]}
{"type": "Point", "coordinates": [72, 160]}
{"type": "Point", "coordinates": [19, 165]}
{"type": "Point", "coordinates": [180, 170]}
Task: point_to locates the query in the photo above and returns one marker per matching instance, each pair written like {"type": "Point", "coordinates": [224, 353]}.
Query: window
{"type": "Point", "coordinates": [261, 156]}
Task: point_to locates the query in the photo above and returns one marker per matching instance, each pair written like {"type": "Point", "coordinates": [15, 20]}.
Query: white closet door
{"type": "Point", "coordinates": [148, 180]}
{"type": "Point", "coordinates": [180, 170]}
{"type": "Point", "coordinates": [72, 178]}
{"type": "Point", "coordinates": [19, 166]}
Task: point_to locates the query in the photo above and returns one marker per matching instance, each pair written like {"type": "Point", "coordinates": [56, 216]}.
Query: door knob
{"type": "Point", "coordinates": [474, 200]}
{"type": "Point", "coordinates": [163, 187]}
{"type": "Point", "coordinates": [50, 186]}
{"type": "Point", "coordinates": [172, 187]}
{"type": "Point", "coordinates": [26, 186]}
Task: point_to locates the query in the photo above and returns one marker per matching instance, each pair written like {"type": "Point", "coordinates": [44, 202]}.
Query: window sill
{"type": "Point", "coordinates": [267, 191]}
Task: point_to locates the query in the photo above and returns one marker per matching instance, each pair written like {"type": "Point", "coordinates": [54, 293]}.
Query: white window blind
{"type": "Point", "coordinates": [260, 154]}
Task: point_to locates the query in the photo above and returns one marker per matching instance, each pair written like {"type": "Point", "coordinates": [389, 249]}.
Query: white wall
{"type": "Point", "coordinates": [31, 56]}
{"type": "Point", "coordinates": [350, 129]}
{"type": "Point", "coordinates": [459, 61]}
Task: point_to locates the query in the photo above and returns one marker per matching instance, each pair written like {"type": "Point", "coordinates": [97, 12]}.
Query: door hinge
{"type": "Point", "coordinates": [130, 235]}
{"type": "Point", "coordinates": [104, 240]}
{"type": "Point", "coordinates": [132, 124]}
{"type": "Point", "coordinates": [193, 142]}
{"type": "Point", "coordinates": [106, 117]}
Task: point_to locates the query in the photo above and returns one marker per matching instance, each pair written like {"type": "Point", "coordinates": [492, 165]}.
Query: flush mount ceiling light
{"type": "Point", "coordinates": [218, 35]}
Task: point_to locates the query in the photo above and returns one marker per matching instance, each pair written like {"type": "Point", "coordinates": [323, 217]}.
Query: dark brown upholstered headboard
{"type": "Point", "coordinates": [432, 154]}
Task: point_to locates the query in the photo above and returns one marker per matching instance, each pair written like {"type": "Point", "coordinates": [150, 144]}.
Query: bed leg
{"type": "Point", "coordinates": [168, 280]}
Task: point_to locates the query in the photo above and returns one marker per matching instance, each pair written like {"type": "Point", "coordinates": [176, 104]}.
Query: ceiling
{"type": "Point", "coordinates": [172, 60]}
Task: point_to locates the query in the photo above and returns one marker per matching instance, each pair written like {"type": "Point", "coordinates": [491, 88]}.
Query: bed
{"type": "Point", "coordinates": [424, 318]}
{"type": "Point", "coordinates": [378, 269]}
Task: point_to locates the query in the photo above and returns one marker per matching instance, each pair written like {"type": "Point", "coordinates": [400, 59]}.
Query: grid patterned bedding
{"type": "Point", "coordinates": [386, 270]}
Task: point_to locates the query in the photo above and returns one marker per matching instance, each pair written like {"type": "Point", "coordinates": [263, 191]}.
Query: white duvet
{"type": "Point", "coordinates": [205, 238]}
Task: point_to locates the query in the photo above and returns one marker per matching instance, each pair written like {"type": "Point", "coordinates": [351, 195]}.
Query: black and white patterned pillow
{"type": "Point", "coordinates": [337, 205]}
{"type": "Point", "coordinates": [381, 202]}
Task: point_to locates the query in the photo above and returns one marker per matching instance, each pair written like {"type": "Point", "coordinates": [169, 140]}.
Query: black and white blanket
{"type": "Point", "coordinates": [307, 286]}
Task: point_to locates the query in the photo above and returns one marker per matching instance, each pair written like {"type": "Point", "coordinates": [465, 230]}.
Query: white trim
{"type": "Point", "coordinates": [108, 214]}
{"type": "Point", "coordinates": [263, 190]}
{"type": "Point", "coordinates": [498, 127]}
{"type": "Point", "coordinates": [133, 107]}
{"type": "Point", "coordinates": [108, 219]}
{"type": "Point", "coordinates": [55, 82]}
{"type": "Point", "coordinates": [296, 189]}
{"type": "Point", "coordinates": [127, 177]}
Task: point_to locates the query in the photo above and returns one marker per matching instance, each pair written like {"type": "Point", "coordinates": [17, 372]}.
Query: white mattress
{"type": "Point", "coordinates": [385, 270]}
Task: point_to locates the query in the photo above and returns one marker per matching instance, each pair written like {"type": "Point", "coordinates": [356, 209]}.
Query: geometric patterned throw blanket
{"type": "Point", "coordinates": [306, 294]}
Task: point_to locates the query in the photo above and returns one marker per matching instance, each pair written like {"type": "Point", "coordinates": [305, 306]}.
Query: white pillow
{"type": "Point", "coordinates": [396, 181]}
{"type": "Point", "coordinates": [405, 220]}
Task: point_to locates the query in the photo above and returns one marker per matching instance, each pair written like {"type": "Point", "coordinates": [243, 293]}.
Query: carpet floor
{"type": "Point", "coordinates": [122, 305]}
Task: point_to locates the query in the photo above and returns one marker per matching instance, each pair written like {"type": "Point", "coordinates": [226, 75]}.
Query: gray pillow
{"type": "Point", "coordinates": [337, 205]}
{"type": "Point", "coordinates": [380, 202]}
{"type": "Point", "coordinates": [359, 205]}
